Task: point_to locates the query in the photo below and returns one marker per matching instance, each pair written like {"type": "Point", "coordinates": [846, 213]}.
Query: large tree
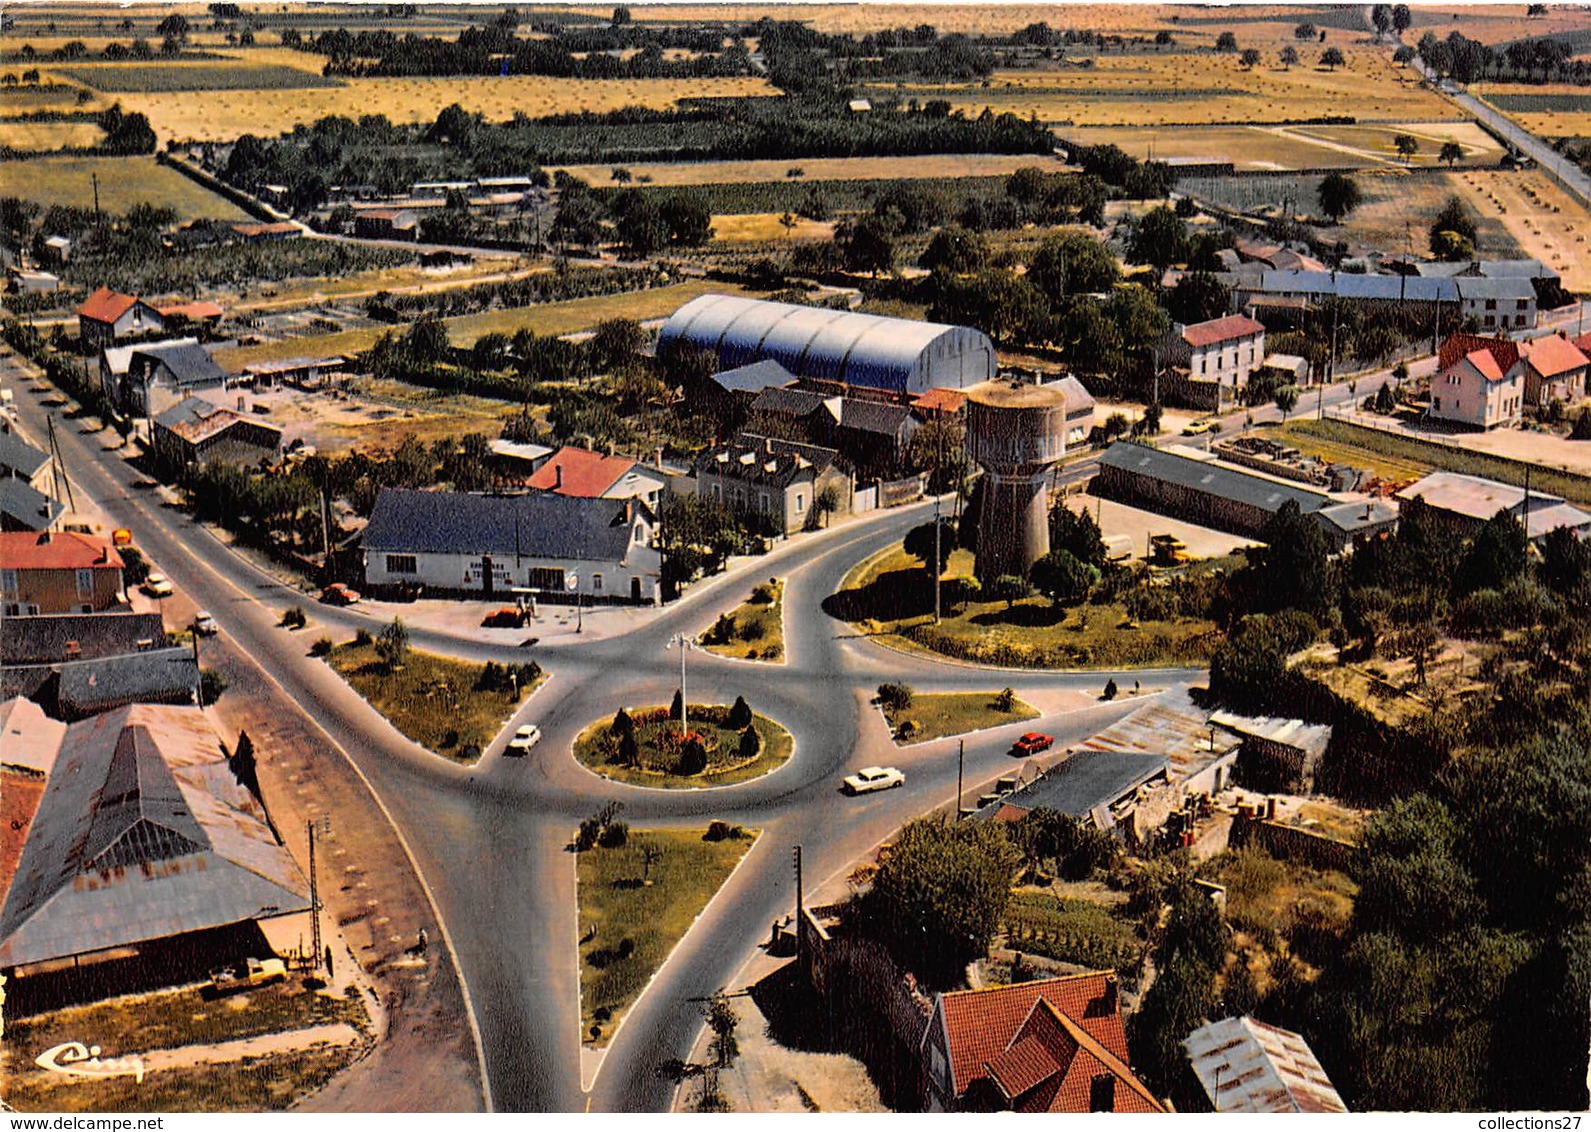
{"type": "Point", "coordinates": [1157, 239]}
{"type": "Point", "coordinates": [1073, 264]}
{"type": "Point", "coordinates": [1062, 577]}
{"type": "Point", "coordinates": [1339, 195]}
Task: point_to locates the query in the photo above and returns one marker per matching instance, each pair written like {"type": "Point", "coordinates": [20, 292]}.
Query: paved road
{"type": "Point", "coordinates": [490, 840]}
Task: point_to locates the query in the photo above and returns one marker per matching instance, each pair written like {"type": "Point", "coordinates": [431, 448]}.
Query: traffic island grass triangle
{"type": "Point", "coordinates": [636, 902]}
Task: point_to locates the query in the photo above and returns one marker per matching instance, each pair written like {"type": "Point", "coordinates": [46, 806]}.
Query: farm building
{"type": "Point", "coordinates": [897, 355]}
{"type": "Point", "coordinates": [1189, 485]}
{"type": "Point", "coordinates": [493, 545]}
{"type": "Point", "coordinates": [196, 432]}
{"type": "Point", "coordinates": [1050, 1045]}
{"type": "Point", "coordinates": [143, 843]}
{"type": "Point", "coordinates": [1467, 502]}
{"type": "Point", "coordinates": [302, 373]}
{"type": "Point", "coordinates": [1276, 754]}
{"type": "Point", "coordinates": [386, 224]}
{"type": "Point", "coordinates": [1502, 303]}
{"type": "Point", "coordinates": [21, 282]}
{"type": "Point", "coordinates": [1241, 1065]}
{"type": "Point", "coordinates": [109, 315]}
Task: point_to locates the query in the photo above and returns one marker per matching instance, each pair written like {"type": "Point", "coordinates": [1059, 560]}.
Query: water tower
{"type": "Point", "coordinates": [1016, 433]}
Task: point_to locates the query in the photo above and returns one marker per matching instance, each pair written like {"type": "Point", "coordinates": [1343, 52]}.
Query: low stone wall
{"type": "Point", "coordinates": [1294, 843]}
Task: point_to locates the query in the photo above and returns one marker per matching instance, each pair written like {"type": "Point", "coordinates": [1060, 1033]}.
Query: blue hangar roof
{"type": "Point", "coordinates": [815, 342]}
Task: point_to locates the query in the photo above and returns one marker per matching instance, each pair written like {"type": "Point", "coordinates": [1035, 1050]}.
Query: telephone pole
{"type": "Point", "coordinates": [961, 762]}
{"type": "Point", "coordinates": [800, 907]}
{"type": "Point", "coordinates": [938, 566]}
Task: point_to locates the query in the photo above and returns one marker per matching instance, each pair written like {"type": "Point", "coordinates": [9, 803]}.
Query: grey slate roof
{"type": "Point", "coordinates": [1209, 477]}
{"type": "Point", "coordinates": [189, 365]}
{"type": "Point", "coordinates": [755, 377]}
{"type": "Point", "coordinates": [20, 457]}
{"type": "Point", "coordinates": [765, 462]}
{"type": "Point", "coordinates": [142, 833]}
{"type": "Point", "coordinates": [1351, 517]}
{"type": "Point", "coordinates": [26, 508]}
{"type": "Point", "coordinates": [874, 416]}
{"type": "Point", "coordinates": [186, 410]}
{"type": "Point", "coordinates": [536, 525]}
{"type": "Point", "coordinates": [1414, 288]}
{"type": "Point", "coordinates": [42, 639]}
{"type": "Point", "coordinates": [157, 676]}
{"type": "Point", "coordinates": [1084, 782]}
{"type": "Point", "coordinates": [788, 402]}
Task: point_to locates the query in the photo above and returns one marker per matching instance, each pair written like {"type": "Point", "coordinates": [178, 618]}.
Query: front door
{"type": "Point", "coordinates": [635, 589]}
{"type": "Point", "coordinates": [486, 574]}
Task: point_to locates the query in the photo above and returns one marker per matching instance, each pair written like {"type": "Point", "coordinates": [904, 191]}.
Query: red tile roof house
{"type": "Point", "coordinates": [58, 572]}
{"type": "Point", "coordinates": [1555, 370]}
{"type": "Point", "coordinates": [1211, 361]}
{"type": "Point", "coordinates": [109, 315]}
{"type": "Point", "coordinates": [1054, 1045]}
{"type": "Point", "coordinates": [1479, 382]}
{"type": "Point", "coordinates": [584, 474]}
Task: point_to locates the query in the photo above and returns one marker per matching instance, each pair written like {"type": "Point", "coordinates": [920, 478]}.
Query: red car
{"type": "Point", "coordinates": [339, 594]}
{"type": "Point", "coordinates": [1032, 743]}
{"type": "Point", "coordinates": [508, 617]}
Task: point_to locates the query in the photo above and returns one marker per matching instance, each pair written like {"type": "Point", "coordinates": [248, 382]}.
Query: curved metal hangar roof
{"type": "Point", "coordinates": [859, 349]}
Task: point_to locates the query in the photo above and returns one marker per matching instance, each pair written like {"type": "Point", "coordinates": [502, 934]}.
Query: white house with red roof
{"type": "Point", "coordinates": [583, 474]}
{"type": "Point", "coordinates": [1479, 382]}
{"type": "Point", "coordinates": [110, 315]}
{"type": "Point", "coordinates": [58, 572]}
{"type": "Point", "coordinates": [1052, 1045]}
{"type": "Point", "coordinates": [1555, 370]}
{"type": "Point", "coordinates": [1211, 361]}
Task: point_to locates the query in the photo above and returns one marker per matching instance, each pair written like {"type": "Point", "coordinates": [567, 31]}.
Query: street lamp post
{"type": "Point", "coordinates": [682, 642]}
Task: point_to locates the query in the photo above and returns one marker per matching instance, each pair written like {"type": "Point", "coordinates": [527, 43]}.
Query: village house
{"type": "Point", "coordinates": [58, 572]}
{"type": "Point", "coordinates": [1479, 383]}
{"type": "Point", "coordinates": [1210, 362]}
{"type": "Point", "coordinates": [24, 463]}
{"type": "Point", "coordinates": [108, 316]}
{"type": "Point", "coordinates": [1052, 1045]}
{"type": "Point", "coordinates": [115, 364]}
{"type": "Point", "coordinates": [159, 377]}
{"type": "Point", "coordinates": [196, 432]}
{"type": "Point", "coordinates": [386, 224]}
{"type": "Point", "coordinates": [780, 480]}
{"type": "Point", "coordinates": [201, 316]}
{"type": "Point", "coordinates": [583, 474]}
{"type": "Point", "coordinates": [24, 508]}
{"type": "Point", "coordinates": [483, 545]}
{"type": "Point", "coordinates": [1555, 370]}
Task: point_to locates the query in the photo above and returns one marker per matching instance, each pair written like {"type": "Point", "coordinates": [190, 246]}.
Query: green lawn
{"type": "Point", "coordinates": [597, 747]}
{"type": "Point", "coordinates": [1071, 930]}
{"type": "Point", "coordinates": [615, 905]}
{"type": "Point", "coordinates": [1412, 450]}
{"type": "Point", "coordinates": [123, 182]}
{"type": "Point", "coordinates": [891, 596]}
{"type": "Point", "coordinates": [431, 699]}
{"type": "Point", "coordinates": [937, 714]}
{"type": "Point", "coordinates": [753, 630]}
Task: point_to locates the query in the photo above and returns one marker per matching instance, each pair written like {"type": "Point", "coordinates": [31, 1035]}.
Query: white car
{"type": "Point", "coordinates": [158, 585]}
{"type": "Point", "coordinates": [204, 624]}
{"type": "Point", "coordinates": [871, 778]}
{"type": "Point", "coordinates": [524, 739]}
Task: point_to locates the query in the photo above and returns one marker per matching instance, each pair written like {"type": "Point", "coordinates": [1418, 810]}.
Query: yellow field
{"type": "Point", "coordinates": [859, 18]}
{"type": "Point", "coordinates": [35, 136]}
{"type": "Point", "coordinates": [1293, 147]}
{"type": "Point", "coordinates": [222, 115]}
{"type": "Point", "coordinates": [123, 182]}
{"type": "Point", "coordinates": [1152, 90]}
{"type": "Point", "coordinates": [819, 169]}
{"type": "Point", "coordinates": [757, 227]}
{"type": "Point", "coordinates": [1549, 224]}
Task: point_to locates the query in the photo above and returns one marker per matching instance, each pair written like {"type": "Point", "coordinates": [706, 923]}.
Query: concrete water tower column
{"type": "Point", "coordinates": [1016, 433]}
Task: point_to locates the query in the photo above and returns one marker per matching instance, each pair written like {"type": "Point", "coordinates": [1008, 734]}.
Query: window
{"type": "Point", "coordinates": [1491, 304]}
{"type": "Point", "coordinates": [402, 564]}
{"type": "Point", "coordinates": [1102, 1093]}
{"type": "Point", "coordinates": [8, 581]}
{"type": "Point", "coordinates": [85, 581]}
{"type": "Point", "coordinates": [1523, 305]}
{"type": "Point", "coordinates": [767, 506]}
{"type": "Point", "coordinates": [801, 502]}
{"type": "Point", "coordinates": [547, 578]}
{"type": "Point", "coordinates": [1436, 404]}
{"type": "Point", "coordinates": [596, 583]}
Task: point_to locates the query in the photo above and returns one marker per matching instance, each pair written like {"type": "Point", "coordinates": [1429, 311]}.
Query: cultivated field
{"type": "Point", "coordinates": [759, 227]}
{"type": "Point", "coordinates": [1294, 147]}
{"type": "Point", "coordinates": [816, 169]}
{"type": "Point", "coordinates": [178, 78]}
{"type": "Point", "coordinates": [40, 136]}
{"type": "Point", "coordinates": [1177, 87]}
{"type": "Point", "coordinates": [1555, 110]}
{"type": "Point", "coordinates": [1544, 220]}
{"type": "Point", "coordinates": [226, 114]}
{"type": "Point", "coordinates": [123, 182]}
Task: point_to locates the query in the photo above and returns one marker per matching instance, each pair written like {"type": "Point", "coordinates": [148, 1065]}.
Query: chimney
{"type": "Point", "coordinates": [767, 445]}
{"type": "Point", "coordinates": [1111, 990]}
{"type": "Point", "coordinates": [44, 538]}
{"type": "Point", "coordinates": [104, 555]}
{"type": "Point", "coordinates": [557, 475]}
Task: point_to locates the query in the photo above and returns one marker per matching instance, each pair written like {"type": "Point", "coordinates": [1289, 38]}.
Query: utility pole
{"type": "Point", "coordinates": [314, 894]}
{"type": "Point", "coordinates": [94, 179]}
{"type": "Point", "coordinates": [937, 564]}
{"type": "Point", "coordinates": [961, 761]}
{"type": "Point", "coordinates": [800, 908]}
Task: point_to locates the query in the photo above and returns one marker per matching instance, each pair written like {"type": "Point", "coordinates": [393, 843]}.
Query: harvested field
{"type": "Point", "coordinates": [760, 227]}
{"type": "Point", "coordinates": [43, 136]}
{"type": "Point", "coordinates": [1539, 217]}
{"type": "Point", "coordinates": [990, 19]}
{"type": "Point", "coordinates": [269, 112]}
{"type": "Point", "coordinates": [1154, 90]}
{"type": "Point", "coordinates": [1248, 148]}
{"type": "Point", "coordinates": [123, 182]}
{"type": "Point", "coordinates": [817, 169]}
{"type": "Point", "coordinates": [147, 78]}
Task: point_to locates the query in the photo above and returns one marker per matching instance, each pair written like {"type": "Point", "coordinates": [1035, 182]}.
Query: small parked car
{"type": "Point", "coordinates": [508, 617]}
{"type": "Point", "coordinates": [339, 594]}
{"type": "Point", "coordinates": [1032, 743]}
{"type": "Point", "coordinates": [524, 739]}
{"type": "Point", "coordinates": [1200, 427]}
{"type": "Point", "coordinates": [249, 973]}
{"type": "Point", "coordinates": [871, 778]}
{"type": "Point", "coordinates": [204, 624]}
{"type": "Point", "coordinates": [158, 585]}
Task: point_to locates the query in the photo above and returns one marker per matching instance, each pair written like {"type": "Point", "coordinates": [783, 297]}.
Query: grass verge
{"type": "Point", "coordinates": [621, 897]}
{"type": "Point", "coordinates": [934, 715]}
{"type": "Point", "coordinates": [598, 748]}
{"type": "Point", "coordinates": [439, 703]}
{"type": "Point", "coordinates": [753, 630]}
